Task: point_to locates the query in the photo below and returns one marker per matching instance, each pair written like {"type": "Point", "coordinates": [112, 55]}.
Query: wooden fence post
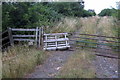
{"type": "Point", "coordinates": [10, 36]}
{"type": "Point", "coordinates": [42, 35]}
{"type": "Point", "coordinates": [39, 33]}
{"type": "Point", "coordinates": [36, 40]}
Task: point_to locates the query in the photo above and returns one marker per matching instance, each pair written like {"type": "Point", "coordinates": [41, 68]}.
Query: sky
{"type": "Point", "coordinates": [99, 5]}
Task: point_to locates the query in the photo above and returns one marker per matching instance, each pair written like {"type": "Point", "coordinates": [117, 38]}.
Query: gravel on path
{"type": "Point", "coordinates": [52, 65]}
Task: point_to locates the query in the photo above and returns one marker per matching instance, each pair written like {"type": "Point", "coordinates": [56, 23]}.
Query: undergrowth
{"type": "Point", "coordinates": [20, 60]}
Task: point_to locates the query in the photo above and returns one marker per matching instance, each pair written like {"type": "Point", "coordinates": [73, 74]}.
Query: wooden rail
{"type": "Point", "coordinates": [114, 43]}
{"type": "Point", "coordinates": [20, 29]}
{"type": "Point", "coordinates": [24, 37]}
{"type": "Point", "coordinates": [97, 35]}
{"type": "Point", "coordinates": [11, 38]}
{"type": "Point", "coordinates": [55, 41]}
{"type": "Point", "coordinates": [95, 39]}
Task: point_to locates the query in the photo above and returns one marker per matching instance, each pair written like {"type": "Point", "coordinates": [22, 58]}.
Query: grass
{"type": "Point", "coordinates": [68, 24]}
{"type": "Point", "coordinates": [91, 25]}
{"type": "Point", "coordinates": [20, 60]}
{"type": "Point", "coordinates": [101, 26]}
{"type": "Point", "coordinates": [78, 66]}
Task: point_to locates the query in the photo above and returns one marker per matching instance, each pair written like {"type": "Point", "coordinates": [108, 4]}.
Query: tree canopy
{"type": "Point", "coordinates": [32, 14]}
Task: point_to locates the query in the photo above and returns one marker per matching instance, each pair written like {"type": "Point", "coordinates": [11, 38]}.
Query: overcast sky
{"type": "Point", "coordinates": [99, 5]}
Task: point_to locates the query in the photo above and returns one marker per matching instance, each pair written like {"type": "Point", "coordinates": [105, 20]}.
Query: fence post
{"type": "Point", "coordinates": [56, 41]}
{"type": "Point", "coordinates": [36, 38]}
{"type": "Point", "coordinates": [10, 36]}
{"type": "Point", "coordinates": [42, 35]}
{"type": "Point", "coordinates": [39, 33]}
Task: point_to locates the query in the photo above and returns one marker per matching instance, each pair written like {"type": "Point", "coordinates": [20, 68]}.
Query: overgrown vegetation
{"type": "Point", "coordinates": [31, 14]}
{"type": "Point", "coordinates": [67, 24]}
{"type": "Point", "coordinates": [20, 60]}
{"type": "Point", "coordinates": [79, 65]}
{"type": "Point", "coordinates": [61, 17]}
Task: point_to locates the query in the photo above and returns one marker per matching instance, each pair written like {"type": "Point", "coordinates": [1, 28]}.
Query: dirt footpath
{"type": "Point", "coordinates": [52, 65]}
{"type": "Point", "coordinates": [106, 67]}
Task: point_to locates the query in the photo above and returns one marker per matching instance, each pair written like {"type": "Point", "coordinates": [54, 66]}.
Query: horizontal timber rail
{"type": "Point", "coordinates": [97, 35]}
{"type": "Point", "coordinates": [20, 29]}
{"type": "Point", "coordinates": [29, 38]}
{"type": "Point", "coordinates": [24, 35]}
{"type": "Point", "coordinates": [11, 35]}
{"type": "Point", "coordinates": [56, 34]}
{"type": "Point", "coordinates": [96, 39]}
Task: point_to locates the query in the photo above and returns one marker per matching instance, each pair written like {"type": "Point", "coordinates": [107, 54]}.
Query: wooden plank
{"type": "Point", "coordinates": [66, 41]}
{"type": "Point", "coordinates": [53, 40]}
{"type": "Point", "coordinates": [51, 43]}
{"type": "Point", "coordinates": [51, 48]}
{"type": "Point", "coordinates": [42, 35]}
{"type": "Point", "coordinates": [24, 35]}
{"type": "Point", "coordinates": [62, 42]}
{"type": "Point", "coordinates": [95, 39]}
{"type": "Point", "coordinates": [94, 35]}
{"type": "Point", "coordinates": [57, 34]}
{"type": "Point", "coordinates": [54, 48]}
{"type": "Point", "coordinates": [21, 29]}
{"type": "Point", "coordinates": [57, 45]}
{"type": "Point", "coordinates": [100, 36]}
{"type": "Point", "coordinates": [24, 40]}
{"type": "Point", "coordinates": [56, 41]}
{"type": "Point", "coordinates": [39, 34]}
{"type": "Point", "coordinates": [61, 47]}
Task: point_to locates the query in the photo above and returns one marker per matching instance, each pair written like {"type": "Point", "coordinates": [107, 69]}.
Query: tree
{"type": "Point", "coordinates": [67, 8]}
{"type": "Point", "coordinates": [27, 14]}
{"type": "Point", "coordinates": [107, 12]}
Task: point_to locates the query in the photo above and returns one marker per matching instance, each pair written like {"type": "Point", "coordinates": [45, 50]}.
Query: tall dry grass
{"type": "Point", "coordinates": [89, 25]}
{"type": "Point", "coordinates": [105, 26]}
{"type": "Point", "coordinates": [67, 24]}
{"type": "Point", "coordinates": [20, 60]}
{"type": "Point", "coordinates": [98, 25]}
{"type": "Point", "coordinates": [101, 26]}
